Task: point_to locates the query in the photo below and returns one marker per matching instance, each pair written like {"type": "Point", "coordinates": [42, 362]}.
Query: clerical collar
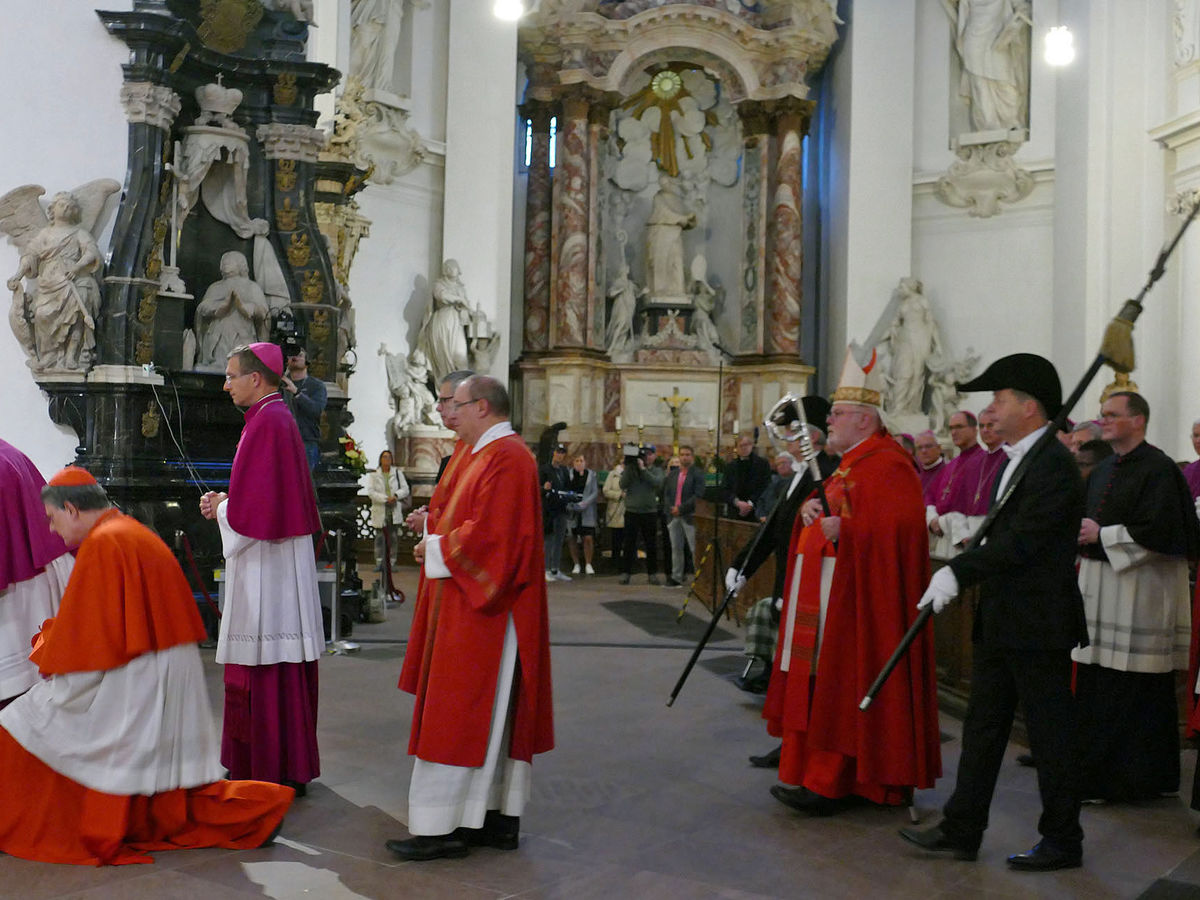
{"type": "Point", "coordinates": [497, 431]}
{"type": "Point", "coordinates": [933, 465]}
{"type": "Point", "coordinates": [1021, 447]}
{"type": "Point", "coordinates": [258, 405]}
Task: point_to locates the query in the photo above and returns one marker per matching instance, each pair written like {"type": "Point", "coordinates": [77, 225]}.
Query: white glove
{"type": "Point", "coordinates": [943, 588]}
{"type": "Point", "coordinates": [733, 581]}
{"type": "Point", "coordinates": [1198, 506]}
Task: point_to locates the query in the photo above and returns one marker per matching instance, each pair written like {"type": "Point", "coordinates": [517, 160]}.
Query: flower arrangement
{"type": "Point", "coordinates": [353, 456]}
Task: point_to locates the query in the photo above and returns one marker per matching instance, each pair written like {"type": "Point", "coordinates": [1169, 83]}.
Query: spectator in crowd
{"type": "Point", "coordinates": [614, 513]}
{"type": "Point", "coordinates": [1191, 471]}
{"type": "Point", "coordinates": [388, 489]}
{"type": "Point", "coordinates": [684, 485]}
{"type": "Point", "coordinates": [930, 463]}
{"type": "Point", "coordinates": [582, 512]}
{"type": "Point", "coordinates": [555, 477]}
{"type": "Point", "coordinates": [1090, 454]}
{"type": "Point", "coordinates": [642, 483]}
{"type": "Point", "coordinates": [306, 398]}
{"type": "Point", "coordinates": [746, 477]}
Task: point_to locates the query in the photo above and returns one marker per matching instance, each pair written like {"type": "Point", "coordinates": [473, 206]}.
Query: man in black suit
{"type": "Point", "coordinates": [1029, 617]}
{"type": "Point", "coordinates": [746, 477]}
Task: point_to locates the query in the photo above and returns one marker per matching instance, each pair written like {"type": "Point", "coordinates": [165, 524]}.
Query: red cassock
{"type": "Point", "coordinates": [491, 528]}
{"type": "Point", "coordinates": [830, 746]}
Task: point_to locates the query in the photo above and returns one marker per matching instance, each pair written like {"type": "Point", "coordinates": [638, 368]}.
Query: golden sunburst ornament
{"type": "Point", "coordinates": [666, 84]}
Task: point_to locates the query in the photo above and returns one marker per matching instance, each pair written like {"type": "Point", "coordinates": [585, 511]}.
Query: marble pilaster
{"type": "Point", "coordinates": [598, 113]}
{"type": "Point", "coordinates": [781, 332]}
{"type": "Point", "coordinates": [755, 160]}
{"type": "Point", "coordinates": [537, 229]}
{"type": "Point", "coordinates": [569, 300]}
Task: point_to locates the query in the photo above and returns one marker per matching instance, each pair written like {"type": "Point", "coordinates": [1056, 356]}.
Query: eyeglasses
{"type": "Point", "coordinates": [442, 401]}
{"type": "Point", "coordinates": [458, 405]}
{"type": "Point", "coordinates": [229, 378]}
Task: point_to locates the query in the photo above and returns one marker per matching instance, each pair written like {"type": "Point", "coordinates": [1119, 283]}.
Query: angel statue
{"type": "Point", "coordinates": [54, 314]}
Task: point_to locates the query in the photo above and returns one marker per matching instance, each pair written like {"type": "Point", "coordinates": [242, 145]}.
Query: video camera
{"type": "Point", "coordinates": [632, 451]}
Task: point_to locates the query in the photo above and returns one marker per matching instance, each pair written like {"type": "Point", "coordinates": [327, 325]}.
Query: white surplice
{"type": "Point", "coordinates": [24, 606]}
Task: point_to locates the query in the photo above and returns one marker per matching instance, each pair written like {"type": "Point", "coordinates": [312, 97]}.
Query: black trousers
{"type": "Point", "coordinates": [644, 525]}
{"type": "Point", "coordinates": [1041, 681]}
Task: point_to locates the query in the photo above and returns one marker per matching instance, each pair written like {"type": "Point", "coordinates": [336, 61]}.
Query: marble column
{"type": "Point", "coordinates": [755, 156]}
{"type": "Point", "coordinates": [569, 301]}
{"type": "Point", "coordinates": [125, 332]}
{"type": "Point", "coordinates": [537, 229]}
{"type": "Point", "coordinates": [598, 114]}
{"type": "Point", "coordinates": [781, 332]}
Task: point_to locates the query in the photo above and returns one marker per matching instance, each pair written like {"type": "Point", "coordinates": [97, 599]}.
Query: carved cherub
{"type": "Point", "coordinates": [53, 313]}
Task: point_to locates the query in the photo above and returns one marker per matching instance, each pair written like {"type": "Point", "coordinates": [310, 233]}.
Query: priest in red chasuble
{"type": "Point", "coordinates": [112, 753]}
{"type": "Point", "coordinates": [478, 657]}
{"type": "Point", "coordinates": [852, 582]}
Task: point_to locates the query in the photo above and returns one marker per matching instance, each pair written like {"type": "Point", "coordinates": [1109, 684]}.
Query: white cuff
{"type": "Point", "coordinates": [435, 565]}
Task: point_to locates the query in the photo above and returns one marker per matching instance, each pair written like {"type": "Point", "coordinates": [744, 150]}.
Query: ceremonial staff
{"type": "Point", "coordinates": [785, 421]}
{"type": "Point", "coordinates": [1116, 350]}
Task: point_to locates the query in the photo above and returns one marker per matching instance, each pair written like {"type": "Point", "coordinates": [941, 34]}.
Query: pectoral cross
{"type": "Point", "coordinates": [675, 403]}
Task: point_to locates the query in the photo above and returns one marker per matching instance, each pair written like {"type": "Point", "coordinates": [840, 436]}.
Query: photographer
{"type": "Point", "coordinates": [642, 483]}
{"type": "Point", "coordinates": [306, 399]}
{"type": "Point", "coordinates": [555, 479]}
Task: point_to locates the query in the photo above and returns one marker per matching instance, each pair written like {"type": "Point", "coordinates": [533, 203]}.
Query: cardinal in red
{"type": "Point", "coordinates": [113, 753]}
{"type": "Point", "coordinates": [854, 576]}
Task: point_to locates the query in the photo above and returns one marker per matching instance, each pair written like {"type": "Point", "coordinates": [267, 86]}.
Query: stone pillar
{"type": "Point", "coordinates": [125, 331]}
{"type": "Point", "coordinates": [781, 332]}
{"type": "Point", "coordinates": [598, 114]}
{"type": "Point", "coordinates": [755, 177]}
{"type": "Point", "coordinates": [537, 229]}
{"type": "Point", "coordinates": [569, 300]}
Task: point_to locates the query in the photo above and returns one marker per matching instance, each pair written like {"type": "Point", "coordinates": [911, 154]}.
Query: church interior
{"type": "Point", "coordinates": [652, 220]}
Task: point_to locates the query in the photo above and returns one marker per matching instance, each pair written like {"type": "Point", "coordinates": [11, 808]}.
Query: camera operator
{"type": "Point", "coordinates": [306, 398]}
{"type": "Point", "coordinates": [642, 482]}
{"type": "Point", "coordinates": [555, 478]}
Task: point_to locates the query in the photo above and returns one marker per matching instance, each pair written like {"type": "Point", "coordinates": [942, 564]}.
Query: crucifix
{"type": "Point", "coordinates": [675, 402]}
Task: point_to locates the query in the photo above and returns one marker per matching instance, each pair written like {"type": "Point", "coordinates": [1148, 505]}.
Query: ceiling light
{"type": "Point", "coordinates": [1059, 46]}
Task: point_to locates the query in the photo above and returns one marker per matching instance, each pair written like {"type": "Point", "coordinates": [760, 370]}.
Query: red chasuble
{"type": "Point", "coordinates": [491, 528]}
{"type": "Point", "coordinates": [881, 572]}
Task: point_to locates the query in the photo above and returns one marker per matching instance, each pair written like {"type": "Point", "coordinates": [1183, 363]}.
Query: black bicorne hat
{"type": "Point", "coordinates": [1025, 372]}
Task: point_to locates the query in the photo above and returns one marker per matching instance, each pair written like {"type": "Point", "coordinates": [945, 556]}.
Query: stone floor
{"type": "Point", "coordinates": [638, 801]}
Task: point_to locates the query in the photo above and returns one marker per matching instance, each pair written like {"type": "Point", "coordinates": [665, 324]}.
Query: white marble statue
{"type": "Point", "coordinates": [992, 39]}
{"type": "Point", "coordinates": [54, 314]}
{"type": "Point", "coordinates": [374, 39]}
{"type": "Point", "coordinates": [704, 300]}
{"type": "Point", "coordinates": [443, 337]}
{"type": "Point", "coordinates": [664, 241]}
{"type": "Point", "coordinates": [912, 340]}
{"type": "Point", "coordinates": [408, 383]}
{"type": "Point", "coordinates": [945, 374]}
{"type": "Point", "coordinates": [234, 311]}
{"type": "Point", "coordinates": [618, 332]}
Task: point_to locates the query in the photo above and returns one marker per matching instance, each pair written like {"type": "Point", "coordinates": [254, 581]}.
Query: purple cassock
{"type": "Point", "coordinates": [965, 484]}
{"type": "Point", "coordinates": [1191, 474]}
{"type": "Point", "coordinates": [929, 479]}
{"type": "Point", "coordinates": [27, 545]}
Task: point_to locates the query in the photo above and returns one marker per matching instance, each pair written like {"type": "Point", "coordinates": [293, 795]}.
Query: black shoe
{"type": "Point", "coordinates": [425, 847]}
{"type": "Point", "coordinates": [499, 832]}
{"type": "Point", "coordinates": [769, 760]}
{"type": "Point", "coordinates": [810, 803]}
{"type": "Point", "coordinates": [936, 841]}
{"type": "Point", "coordinates": [270, 839]}
{"type": "Point", "coordinates": [654, 580]}
{"type": "Point", "coordinates": [671, 582]}
{"type": "Point", "coordinates": [756, 685]}
{"type": "Point", "coordinates": [300, 789]}
{"type": "Point", "coordinates": [1026, 759]}
{"type": "Point", "coordinates": [624, 579]}
{"type": "Point", "coordinates": [1045, 858]}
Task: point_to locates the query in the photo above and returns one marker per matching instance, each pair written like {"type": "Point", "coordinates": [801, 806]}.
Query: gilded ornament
{"type": "Point", "coordinates": [285, 89]}
{"type": "Point", "coordinates": [144, 351]}
{"type": "Point", "coordinates": [313, 287]}
{"type": "Point", "coordinates": [318, 328]}
{"type": "Point", "coordinates": [287, 217]}
{"type": "Point", "coordinates": [148, 306]}
{"type": "Point", "coordinates": [179, 58]}
{"type": "Point", "coordinates": [285, 174]}
{"type": "Point", "coordinates": [150, 421]}
{"type": "Point", "coordinates": [225, 24]}
{"type": "Point", "coordinates": [154, 264]}
{"type": "Point", "coordinates": [299, 250]}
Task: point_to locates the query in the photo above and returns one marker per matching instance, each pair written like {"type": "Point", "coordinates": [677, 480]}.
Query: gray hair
{"type": "Point", "coordinates": [485, 387]}
{"type": "Point", "coordinates": [83, 497]}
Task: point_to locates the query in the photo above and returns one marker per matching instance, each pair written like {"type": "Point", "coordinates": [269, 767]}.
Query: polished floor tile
{"type": "Point", "coordinates": [638, 800]}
